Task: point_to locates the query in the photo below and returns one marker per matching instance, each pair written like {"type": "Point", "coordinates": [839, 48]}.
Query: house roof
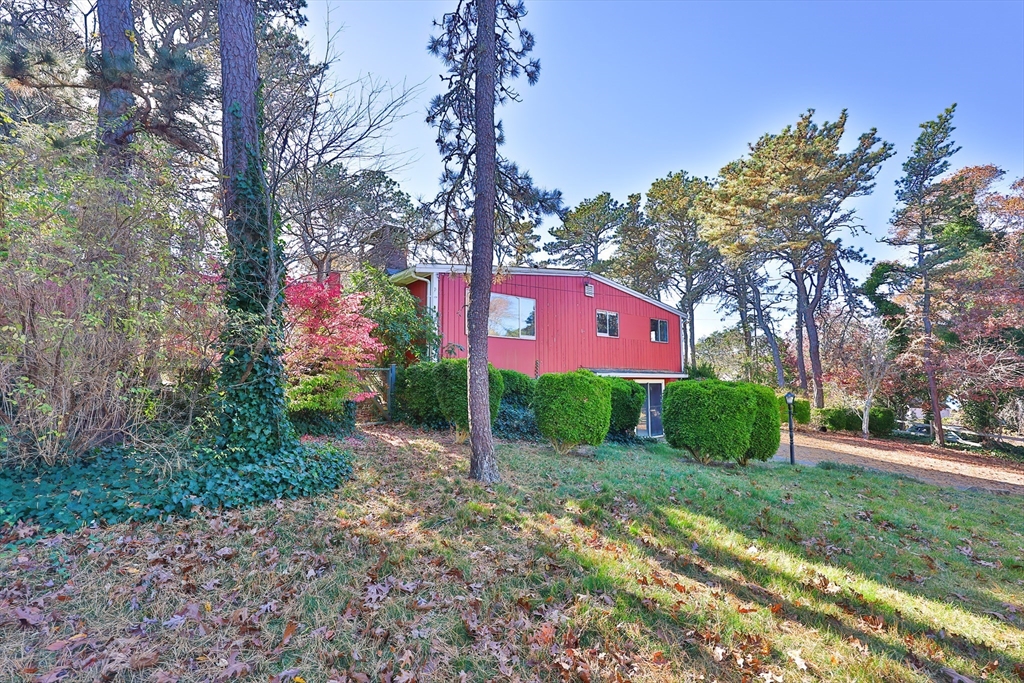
{"type": "Point", "coordinates": [411, 274]}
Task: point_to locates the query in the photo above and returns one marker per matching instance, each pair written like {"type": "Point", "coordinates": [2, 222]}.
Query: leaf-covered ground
{"type": "Point", "coordinates": [631, 565]}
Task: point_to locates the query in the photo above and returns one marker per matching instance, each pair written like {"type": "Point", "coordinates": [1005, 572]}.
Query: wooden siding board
{"type": "Point", "coordinates": [566, 327]}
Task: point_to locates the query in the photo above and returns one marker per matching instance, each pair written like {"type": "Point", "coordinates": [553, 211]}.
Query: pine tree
{"type": "Point", "coordinates": [587, 233]}
{"type": "Point", "coordinates": [484, 47]}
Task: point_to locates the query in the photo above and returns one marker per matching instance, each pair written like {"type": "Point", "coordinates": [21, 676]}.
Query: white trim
{"type": "Point", "coordinates": [455, 269]}
{"type": "Point", "coordinates": [667, 338]}
{"type": "Point", "coordinates": [641, 375]}
{"type": "Point", "coordinates": [608, 323]}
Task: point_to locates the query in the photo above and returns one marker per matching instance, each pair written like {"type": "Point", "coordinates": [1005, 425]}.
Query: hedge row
{"type": "Point", "coordinates": [436, 394]}
{"type": "Point", "coordinates": [573, 409]}
{"type": "Point", "coordinates": [715, 420]}
{"type": "Point", "coordinates": [881, 420]}
{"type": "Point", "coordinates": [801, 411]}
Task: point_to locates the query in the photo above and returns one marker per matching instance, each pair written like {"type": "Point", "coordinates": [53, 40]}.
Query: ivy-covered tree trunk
{"type": "Point", "coordinates": [252, 415]}
{"type": "Point", "coordinates": [483, 464]}
{"type": "Point", "coordinates": [115, 127]}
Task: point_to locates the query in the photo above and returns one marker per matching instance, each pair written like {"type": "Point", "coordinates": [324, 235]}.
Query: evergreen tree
{"type": "Point", "coordinates": [928, 206]}
{"type": "Point", "coordinates": [484, 47]}
{"type": "Point", "coordinates": [587, 233]}
{"type": "Point", "coordinates": [638, 260]}
{"type": "Point", "coordinates": [689, 262]}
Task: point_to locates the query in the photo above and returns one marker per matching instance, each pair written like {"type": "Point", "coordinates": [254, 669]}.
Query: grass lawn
{"type": "Point", "coordinates": [631, 565]}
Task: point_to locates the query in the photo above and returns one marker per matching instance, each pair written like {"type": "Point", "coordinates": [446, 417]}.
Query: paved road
{"type": "Point", "coordinates": [926, 463]}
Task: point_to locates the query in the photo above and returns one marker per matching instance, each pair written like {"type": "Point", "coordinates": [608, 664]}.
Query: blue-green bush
{"type": "Point", "coordinates": [710, 419]}
{"type": "Point", "coordinates": [518, 388]}
{"type": "Point", "coordinates": [573, 408]}
{"type": "Point", "coordinates": [801, 411]}
{"type": "Point", "coordinates": [416, 396]}
{"type": "Point", "coordinates": [451, 377]}
{"type": "Point", "coordinates": [764, 432]}
{"type": "Point", "coordinates": [627, 402]}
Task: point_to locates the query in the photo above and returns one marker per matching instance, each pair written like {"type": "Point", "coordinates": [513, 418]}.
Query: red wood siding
{"type": "Point", "coordinates": [419, 290]}
{"type": "Point", "coordinates": [566, 327]}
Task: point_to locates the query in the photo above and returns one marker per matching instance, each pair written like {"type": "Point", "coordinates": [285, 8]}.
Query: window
{"type": "Point", "coordinates": [512, 316]}
{"type": "Point", "coordinates": [659, 330]}
{"type": "Point", "coordinates": [607, 324]}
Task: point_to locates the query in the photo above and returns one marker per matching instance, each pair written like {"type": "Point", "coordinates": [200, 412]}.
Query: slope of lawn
{"type": "Point", "coordinates": [631, 565]}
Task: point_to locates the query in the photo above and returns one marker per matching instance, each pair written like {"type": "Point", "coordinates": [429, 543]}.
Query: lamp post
{"type": "Point", "coordinates": [789, 404]}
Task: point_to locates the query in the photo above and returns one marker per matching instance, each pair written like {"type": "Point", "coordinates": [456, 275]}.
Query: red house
{"type": "Point", "coordinates": [553, 320]}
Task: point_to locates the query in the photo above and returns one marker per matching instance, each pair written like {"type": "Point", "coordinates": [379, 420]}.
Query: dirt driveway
{"type": "Point", "coordinates": [932, 465]}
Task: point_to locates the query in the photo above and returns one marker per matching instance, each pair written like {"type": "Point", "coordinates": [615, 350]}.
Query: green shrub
{"type": "Point", "coordinates": [573, 408]}
{"type": "Point", "coordinates": [416, 396]}
{"type": "Point", "coordinates": [451, 381]}
{"type": "Point", "coordinates": [764, 433]}
{"type": "Point", "coordinates": [319, 405]}
{"type": "Point", "coordinates": [627, 402]}
{"type": "Point", "coordinates": [518, 388]}
{"type": "Point", "coordinates": [516, 423]}
{"type": "Point", "coordinates": [881, 421]}
{"type": "Point", "coordinates": [839, 419]}
{"type": "Point", "coordinates": [801, 411]}
{"type": "Point", "coordinates": [710, 419]}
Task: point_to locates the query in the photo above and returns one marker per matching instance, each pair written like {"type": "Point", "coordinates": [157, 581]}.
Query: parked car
{"type": "Point", "coordinates": [958, 438]}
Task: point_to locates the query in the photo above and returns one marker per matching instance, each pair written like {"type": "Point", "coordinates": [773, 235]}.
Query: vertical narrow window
{"type": "Point", "coordinates": [607, 324]}
{"type": "Point", "coordinates": [659, 330]}
{"type": "Point", "coordinates": [512, 316]}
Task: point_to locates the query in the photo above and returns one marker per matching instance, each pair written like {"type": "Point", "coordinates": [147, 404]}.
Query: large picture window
{"type": "Point", "coordinates": [607, 324]}
{"type": "Point", "coordinates": [659, 330]}
{"type": "Point", "coordinates": [512, 316]}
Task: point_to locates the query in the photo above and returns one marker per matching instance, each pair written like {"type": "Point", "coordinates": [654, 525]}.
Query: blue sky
{"type": "Point", "coordinates": [632, 90]}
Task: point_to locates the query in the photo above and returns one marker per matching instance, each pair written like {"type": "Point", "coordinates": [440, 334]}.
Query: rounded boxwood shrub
{"type": "Point", "coordinates": [319, 405]}
{"type": "Point", "coordinates": [838, 419]}
{"type": "Point", "coordinates": [881, 421]}
{"type": "Point", "coordinates": [518, 388]}
{"type": "Point", "coordinates": [764, 432]}
{"type": "Point", "coordinates": [573, 408]}
{"type": "Point", "coordinates": [451, 377]}
{"type": "Point", "coordinates": [416, 395]}
{"type": "Point", "coordinates": [801, 411]}
{"type": "Point", "coordinates": [712, 420]}
{"type": "Point", "coordinates": [627, 402]}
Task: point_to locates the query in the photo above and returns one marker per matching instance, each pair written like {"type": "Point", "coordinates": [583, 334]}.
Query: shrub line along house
{"type": "Point", "coordinates": [557, 320]}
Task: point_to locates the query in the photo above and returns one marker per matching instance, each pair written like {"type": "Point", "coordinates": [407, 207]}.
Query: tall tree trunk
{"type": "Point", "coordinates": [801, 365]}
{"type": "Point", "coordinates": [252, 415]}
{"type": "Point", "coordinates": [813, 342]}
{"type": "Point", "coordinates": [769, 335]}
{"type": "Point", "coordinates": [929, 363]}
{"type": "Point", "coordinates": [684, 338]}
{"type": "Point", "coordinates": [483, 464]}
{"type": "Point", "coordinates": [691, 310]}
{"type": "Point", "coordinates": [744, 310]}
{"type": "Point", "coordinates": [866, 417]}
{"type": "Point", "coordinates": [115, 128]}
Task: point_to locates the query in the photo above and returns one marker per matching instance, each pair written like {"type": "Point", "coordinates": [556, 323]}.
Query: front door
{"type": "Point", "coordinates": [650, 415]}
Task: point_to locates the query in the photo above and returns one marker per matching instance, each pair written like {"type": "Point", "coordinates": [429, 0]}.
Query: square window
{"type": "Point", "coordinates": [659, 330]}
{"type": "Point", "coordinates": [512, 316]}
{"type": "Point", "coordinates": [607, 324]}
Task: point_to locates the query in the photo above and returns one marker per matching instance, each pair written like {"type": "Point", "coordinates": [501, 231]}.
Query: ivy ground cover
{"type": "Point", "coordinates": [631, 565]}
